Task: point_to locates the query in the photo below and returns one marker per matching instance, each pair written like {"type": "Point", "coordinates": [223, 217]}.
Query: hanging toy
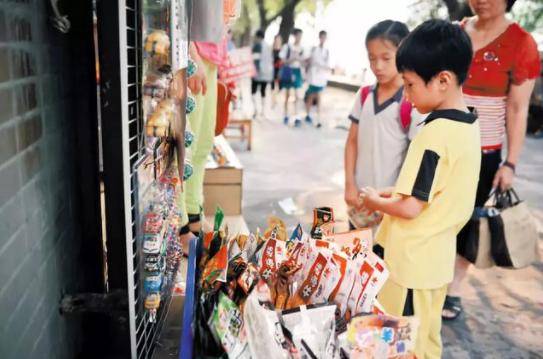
{"type": "Point", "coordinates": [152, 303]}
{"type": "Point", "coordinates": [191, 68]}
{"type": "Point", "coordinates": [157, 43]}
{"type": "Point", "coordinates": [187, 171]}
{"type": "Point", "coordinates": [158, 124]}
{"type": "Point", "coordinates": [153, 283]}
{"type": "Point", "coordinates": [157, 82]}
{"type": "Point", "coordinates": [189, 138]}
{"type": "Point", "coordinates": [190, 105]}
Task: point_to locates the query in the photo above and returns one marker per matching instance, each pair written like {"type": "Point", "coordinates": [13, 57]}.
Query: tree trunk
{"type": "Point", "coordinates": [287, 20]}
{"type": "Point", "coordinates": [262, 15]}
{"type": "Point", "coordinates": [458, 9]}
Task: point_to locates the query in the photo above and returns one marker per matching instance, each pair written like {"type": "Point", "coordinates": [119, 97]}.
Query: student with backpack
{"type": "Point", "coordinates": [290, 74]}
{"type": "Point", "coordinates": [383, 123]}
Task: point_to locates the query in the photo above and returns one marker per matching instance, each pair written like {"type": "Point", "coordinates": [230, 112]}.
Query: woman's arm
{"type": "Point", "coordinates": [197, 82]}
{"type": "Point", "coordinates": [516, 120]}
{"type": "Point", "coordinates": [351, 155]}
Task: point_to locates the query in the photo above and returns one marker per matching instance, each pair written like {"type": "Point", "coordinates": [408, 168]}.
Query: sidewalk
{"type": "Point", "coordinates": [503, 309]}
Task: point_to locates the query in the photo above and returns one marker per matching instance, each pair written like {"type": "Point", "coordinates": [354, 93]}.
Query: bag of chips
{"type": "Point", "coordinates": [313, 330]}
{"type": "Point", "coordinates": [264, 333]}
{"type": "Point", "coordinates": [227, 325]}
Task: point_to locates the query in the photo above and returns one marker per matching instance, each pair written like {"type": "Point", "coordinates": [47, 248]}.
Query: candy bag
{"type": "Point", "coordinates": [310, 290]}
{"type": "Point", "coordinates": [276, 229]}
{"type": "Point", "coordinates": [227, 325]}
{"type": "Point", "coordinates": [353, 242]}
{"type": "Point", "coordinates": [321, 216]}
{"type": "Point", "coordinates": [379, 275]}
{"type": "Point", "coordinates": [270, 257]}
{"type": "Point", "coordinates": [313, 330]}
{"type": "Point", "coordinates": [382, 336]}
{"type": "Point", "coordinates": [264, 333]}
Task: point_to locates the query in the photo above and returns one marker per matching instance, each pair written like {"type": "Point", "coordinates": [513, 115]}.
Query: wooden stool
{"type": "Point", "coordinates": [245, 128]}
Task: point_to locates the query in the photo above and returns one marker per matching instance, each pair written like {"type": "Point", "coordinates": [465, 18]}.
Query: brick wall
{"type": "Point", "coordinates": [39, 242]}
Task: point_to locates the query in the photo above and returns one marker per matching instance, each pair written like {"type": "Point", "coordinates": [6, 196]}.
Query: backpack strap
{"type": "Point", "coordinates": [365, 91]}
{"type": "Point", "coordinates": [405, 114]}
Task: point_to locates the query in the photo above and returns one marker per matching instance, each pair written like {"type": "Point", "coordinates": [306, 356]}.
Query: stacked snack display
{"type": "Point", "coordinates": [297, 296]}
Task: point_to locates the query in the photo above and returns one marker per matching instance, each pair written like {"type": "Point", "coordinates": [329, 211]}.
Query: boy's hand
{"type": "Point", "coordinates": [386, 192]}
{"type": "Point", "coordinates": [370, 198]}
{"type": "Point", "coordinates": [352, 196]}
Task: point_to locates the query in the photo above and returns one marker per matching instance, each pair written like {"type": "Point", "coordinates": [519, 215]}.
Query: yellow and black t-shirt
{"type": "Point", "coordinates": [442, 169]}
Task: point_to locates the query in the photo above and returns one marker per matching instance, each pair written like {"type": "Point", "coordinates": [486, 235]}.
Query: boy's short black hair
{"type": "Point", "coordinates": [322, 33]}
{"type": "Point", "coordinates": [260, 34]}
{"type": "Point", "coordinates": [393, 31]}
{"type": "Point", "coordinates": [510, 4]}
{"type": "Point", "coordinates": [435, 46]}
{"type": "Point", "coordinates": [296, 31]}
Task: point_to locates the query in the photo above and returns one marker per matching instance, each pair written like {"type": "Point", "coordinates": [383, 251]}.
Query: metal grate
{"type": "Point", "coordinates": [143, 333]}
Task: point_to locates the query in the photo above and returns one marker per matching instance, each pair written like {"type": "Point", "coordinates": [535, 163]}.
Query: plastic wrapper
{"type": "Point", "coordinates": [364, 218]}
{"type": "Point", "coordinates": [276, 229]}
{"type": "Point", "coordinates": [216, 268]}
{"type": "Point", "coordinates": [321, 216]}
{"type": "Point", "coordinates": [310, 290]}
{"type": "Point", "coordinates": [382, 336]}
{"type": "Point", "coordinates": [313, 330]}
{"type": "Point", "coordinates": [227, 325]}
{"type": "Point", "coordinates": [263, 328]}
{"type": "Point", "coordinates": [370, 277]}
{"type": "Point", "coordinates": [270, 256]}
{"type": "Point", "coordinates": [352, 243]}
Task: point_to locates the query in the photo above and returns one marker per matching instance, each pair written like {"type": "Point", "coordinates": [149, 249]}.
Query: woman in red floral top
{"type": "Point", "coordinates": [501, 79]}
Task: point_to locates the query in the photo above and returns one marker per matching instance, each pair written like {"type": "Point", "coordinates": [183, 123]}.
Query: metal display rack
{"type": "Point", "coordinates": [134, 15]}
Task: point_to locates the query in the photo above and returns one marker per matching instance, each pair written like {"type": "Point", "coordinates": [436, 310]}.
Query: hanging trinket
{"type": "Point", "coordinates": [190, 105]}
{"type": "Point", "coordinates": [189, 138]}
{"type": "Point", "coordinates": [191, 68]}
{"type": "Point", "coordinates": [152, 303]}
{"type": "Point", "coordinates": [187, 171]}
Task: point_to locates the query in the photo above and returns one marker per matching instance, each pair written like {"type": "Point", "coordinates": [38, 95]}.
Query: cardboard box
{"type": "Point", "coordinates": [223, 185]}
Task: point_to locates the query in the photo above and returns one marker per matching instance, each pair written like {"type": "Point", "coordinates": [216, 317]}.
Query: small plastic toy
{"type": "Point", "coordinates": [157, 43]}
{"type": "Point", "coordinates": [152, 283]}
{"type": "Point", "coordinates": [152, 303]}
{"type": "Point", "coordinates": [187, 171]}
{"type": "Point", "coordinates": [190, 105]}
{"type": "Point", "coordinates": [189, 138]}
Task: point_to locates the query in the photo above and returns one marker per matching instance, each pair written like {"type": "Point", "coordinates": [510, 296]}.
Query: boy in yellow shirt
{"type": "Point", "coordinates": [435, 191]}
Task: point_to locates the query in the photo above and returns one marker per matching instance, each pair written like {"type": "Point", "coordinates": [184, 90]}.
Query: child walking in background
{"type": "Point", "coordinates": [317, 75]}
{"type": "Point", "coordinates": [290, 75]}
{"type": "Point", "coordinates": [434, 195]}
{"type": "Point", "coordinates": [263, 60]}
{"type": "Point", "coordinates": [382, 124]}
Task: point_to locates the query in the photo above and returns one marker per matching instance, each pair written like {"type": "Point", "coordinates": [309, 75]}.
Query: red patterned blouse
{"type": "Point", "coordinates": [511, 58]}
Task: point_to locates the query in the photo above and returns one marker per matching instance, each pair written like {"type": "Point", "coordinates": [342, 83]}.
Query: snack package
{"type": "Point", "coordinates": [379, 275]}
{"type": "Point", "coordinates": [227, 325]}
{"type": "Point", "coordinates": [270, 256]}
{"type": "Point", "coordinates": [264, 333]}
{"type": "Point", "coordinates": [217, 267]}
{"type": "Point", "coordinates": [311, 289]}
{"type": "Point", "coordinates": [382, 336]}
{"type": "Point", "coordinates": [276, 229]}
{"type": "Point", "coordinates": [341, 293]}
{"type": "Point", "coordinates": [248, 278]}
{"type": "Point", "coordinates": [321, 216]}
{"type": "Point", "coordinates": [364, 218]}
{"type": "Point", "coordinates": [371, 276]}
{"type": "Point", "coordinates": [313, 330]}
{"type": "Point", "coordinates": [353, 242]}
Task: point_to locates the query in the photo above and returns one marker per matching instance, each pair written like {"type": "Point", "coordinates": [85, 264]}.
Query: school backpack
{"type": "Point", "coordinates": [405, 108]}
